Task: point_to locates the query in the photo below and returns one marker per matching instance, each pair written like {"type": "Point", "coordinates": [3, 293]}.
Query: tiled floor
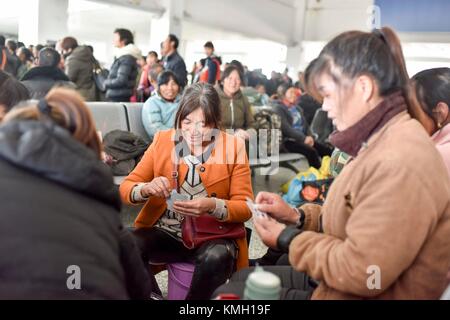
{"type": "Point", "coordinates": [256, 248]}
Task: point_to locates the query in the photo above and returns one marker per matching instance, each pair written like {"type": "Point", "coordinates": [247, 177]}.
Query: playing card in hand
{"type": "Point", "coordinates": [175, 196]}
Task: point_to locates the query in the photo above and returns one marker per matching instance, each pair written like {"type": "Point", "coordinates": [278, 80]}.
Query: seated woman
{"type": "Point", "coordinates": [297, 135]}
{"type": "Point", "coordinates": [213, 173]}
{"type": "Point", "coordinates": [433, 92]}
{"type": "Point", "coordinates": [235, 108]}
{"type": "Point", "coordinates": [60, 209]}
{"type": "Point", "coordinates": [382, 232]}
{"type": "Point", "coordinates": [158, 112]}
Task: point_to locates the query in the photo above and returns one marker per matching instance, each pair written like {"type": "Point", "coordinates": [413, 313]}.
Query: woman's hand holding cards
{"type": "Point", "coordinates": [276, 207]}
{"type": "Point", "coordinates": [158, 187]}
{"type": "Point", "coordinates": [195, 207]}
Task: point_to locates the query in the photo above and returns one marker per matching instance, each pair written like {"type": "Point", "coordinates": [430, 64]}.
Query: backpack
{"type": "Point", "coordinates": [267, 118]}
{"type": "Point", "coordinates": [310, 186]}
{"type": "Point", "coordinates": [125, 150]}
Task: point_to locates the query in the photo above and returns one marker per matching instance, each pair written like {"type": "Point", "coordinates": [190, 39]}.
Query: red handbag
{"type": "Point", "coordinates": [198, 230]}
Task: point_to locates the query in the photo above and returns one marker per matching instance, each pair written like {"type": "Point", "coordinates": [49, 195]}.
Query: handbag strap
{"type": "Point", "coordinates": [175, 185]}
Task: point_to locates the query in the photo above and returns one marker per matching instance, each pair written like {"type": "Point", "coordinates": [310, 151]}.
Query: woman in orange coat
{"type": "Point", "coordinates": [213, 173]}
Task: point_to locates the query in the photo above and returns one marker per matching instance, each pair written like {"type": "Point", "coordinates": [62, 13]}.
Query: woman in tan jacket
{"type": "Point", "coordinates": [212, 173]}
{"type": "Point", "coordinates": [383, 231]}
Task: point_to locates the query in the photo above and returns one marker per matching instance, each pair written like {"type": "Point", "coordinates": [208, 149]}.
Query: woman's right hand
{"type": "Point", "coordinates": [158, 187]}
{"type": "Point", "coordinates": [276, 207]}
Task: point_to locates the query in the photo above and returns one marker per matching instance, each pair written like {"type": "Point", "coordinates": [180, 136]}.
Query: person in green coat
{"type": "Point", "coordinates": [236, 110]}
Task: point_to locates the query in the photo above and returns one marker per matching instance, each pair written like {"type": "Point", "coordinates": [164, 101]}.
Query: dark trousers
{"type": "Point", "coordinates": [294, 285]}
{"type": "Point", "coordinates": [312, 154]}
{"type": "Point", "coordinates": [214, 260]}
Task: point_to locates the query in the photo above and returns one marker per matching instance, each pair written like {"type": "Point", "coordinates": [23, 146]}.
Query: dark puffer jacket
{"type": "Point", "coordinates": [61, 209]}
{"type": "Point", "coordinates": [122, 79]}
{"type": "Point", "coordinates": [79, 65]}
{"type": "Point", "coordinates": [40, 80]}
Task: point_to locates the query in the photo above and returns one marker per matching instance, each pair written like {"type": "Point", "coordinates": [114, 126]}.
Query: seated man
{"type": "Point", "coordinates": [39, 80]}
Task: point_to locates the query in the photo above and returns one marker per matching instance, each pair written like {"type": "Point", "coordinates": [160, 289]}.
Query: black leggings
{"type": "Point", "coordinates": [214, 260]}
{"type": "Point", "coordinates": [313, 154]}
{"type": "Point", "coordinates": [294, 285]}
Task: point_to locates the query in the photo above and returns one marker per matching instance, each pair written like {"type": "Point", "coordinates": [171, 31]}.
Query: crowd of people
{"type": "Point", "coordinates": [388, 208]}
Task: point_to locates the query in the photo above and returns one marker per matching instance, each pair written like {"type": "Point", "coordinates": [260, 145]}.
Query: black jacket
{"type": "Point", "coordinates": [122, 78]}
{"type": "Point", "coordinates": [175, 63]}
{"type": "Point", "coordinates": [309, 106]}
{"type": "Point", "coordinates": [287, 130]}
{"type": "Point", "coordinates": [61, 209]}
{"type": "Point", "coordinates": [40, 80]}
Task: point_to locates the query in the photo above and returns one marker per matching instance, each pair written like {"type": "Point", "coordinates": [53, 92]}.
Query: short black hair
{"type": "Point", "coordinates": [209, 44]}
{"type": "Point", "coordinates": [2, 40]}
{"type": "Point", "coordinates": [173, 38]}
{"type": "Point", "coordinates": [228, 70]}
{"type": "Point", "coordinates": [203, 96]}
{"type": "Point", "coordinates": [49, 57]}
{"type": "Point", "coordinates": [165, 76]}
{"type": "Point", "coordinates": [125, 35]}
{"type": "Point", "coordinates": [20, 44]}
{"type": "Point", "coordinates": [12, 91]}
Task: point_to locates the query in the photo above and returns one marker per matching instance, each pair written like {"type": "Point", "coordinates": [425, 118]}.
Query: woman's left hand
{"type": "Point", "coordinates": [268, 230]}
{"type": "Point", "coordinates": [196, 207]}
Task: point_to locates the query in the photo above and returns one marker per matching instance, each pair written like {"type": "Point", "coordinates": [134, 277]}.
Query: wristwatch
{"type": "Point", "coordinates": [301, 218]}
{"type": "Point", "coordinates": [286, 236]}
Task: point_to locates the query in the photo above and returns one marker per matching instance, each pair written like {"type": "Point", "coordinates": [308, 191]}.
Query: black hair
{"type": "Point", "coordinates": [12, 45]}
{"type": "Point", "coordinates": [228, 70]}
{"type": "Point", "coordinates": [209, 44]}
{"type": "Point", "coordinates": [49, 57]}
{"type": "Point", "coordinates": [12, 91]}
{"type": "Point", "coordinates": [165, 76]}
{"type": "Point", "coordinates": [173, 38]}
{"type": "Point", "coordinates": [377, 54]}
{"type": "Point", "coordinates": [2, 40]}
{"type": "Point", "coordinates": [125, 35]}
{"type": "Point", "coordinates": [27, 52]}
{"type": "Point", "coordinates": [432, 86]}
{"type": "Point", "coordinates": [203, 96]}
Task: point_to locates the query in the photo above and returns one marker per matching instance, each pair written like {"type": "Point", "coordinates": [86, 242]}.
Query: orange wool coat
{"type": "Point", "coordinates": [225, 175]}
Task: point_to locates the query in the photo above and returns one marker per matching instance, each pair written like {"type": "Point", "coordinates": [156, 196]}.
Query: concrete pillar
{"type": "Point", "coordinates": [294, 48]}
{"type": "Point", "coordinates": [169, 22]}
{"type": "Point", "coordinates": [43, 21]}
